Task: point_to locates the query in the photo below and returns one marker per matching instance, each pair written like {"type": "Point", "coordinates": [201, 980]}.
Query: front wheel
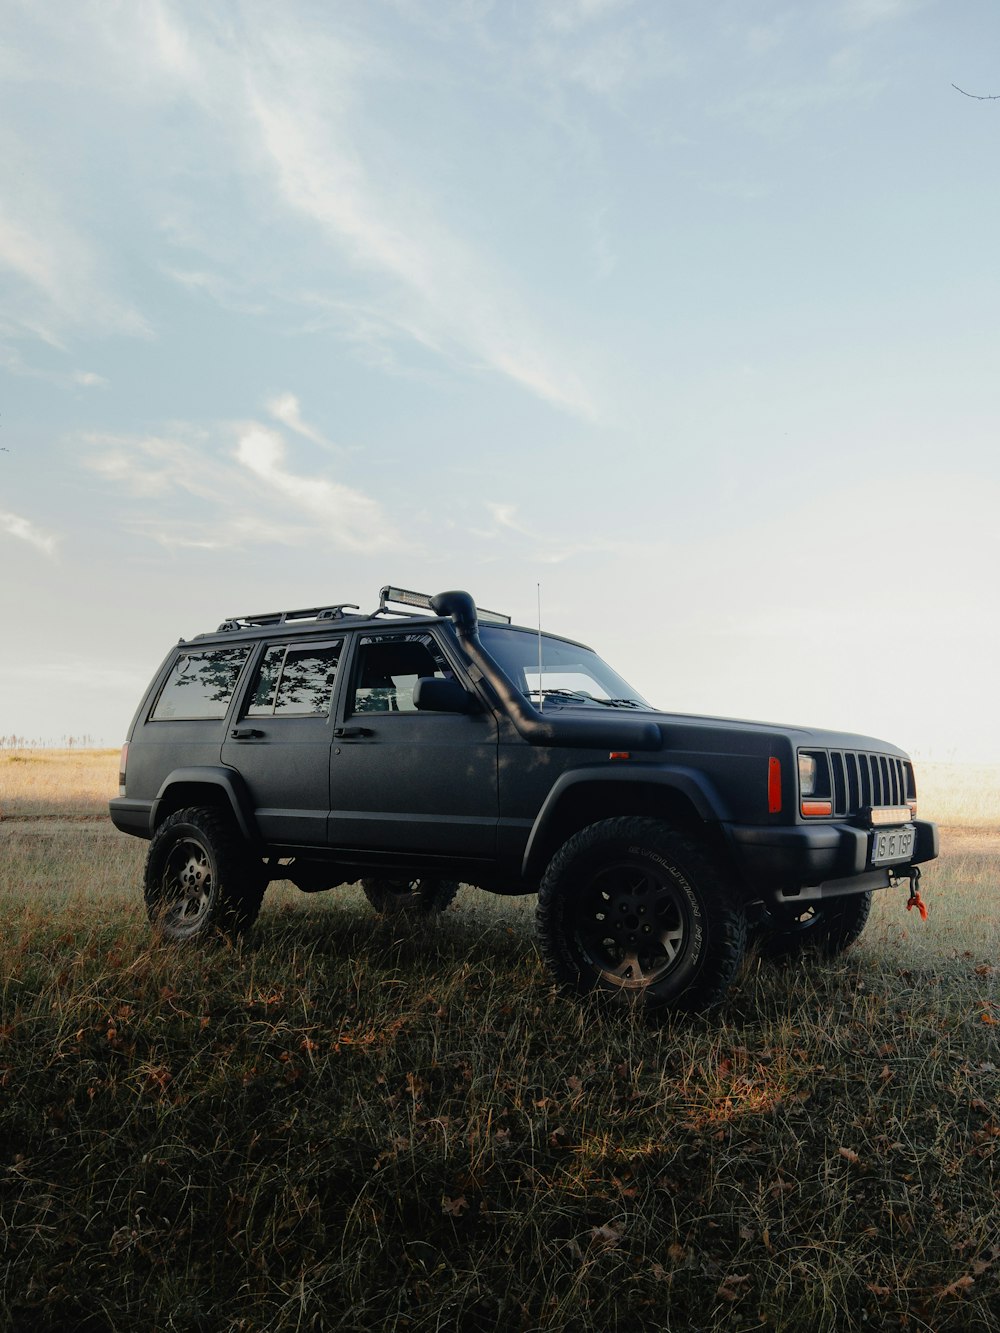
{"type": "Point", "coordinates": [200, 878]}
{"type": "Point", "coordinates": [824, 928]}
{"type": "Point", "coordinates": [632, 909]}
{"type": "Point", "coordinates": [409, 897]}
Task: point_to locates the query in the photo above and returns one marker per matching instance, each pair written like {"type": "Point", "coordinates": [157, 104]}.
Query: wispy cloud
{"type": "Point", "coordinates": [770, 107]}
{"type": "Point", "coordinates": [205, 492]}
{"type": "Point", "coordinates": [599, 47]}
{"type": "Point", "coordinates": [14, 363]}
{"type": "Point", "coordinates": [216, 286]}
{"type": "Point", "coordinates": [569, 15]}
{"type": "Point", "coordinates": [282, 107]}
{"type": "Point", "coordinates": [56, 281]}
{"type": "Point", "coordinates": [450, 297]}
{"type": "Point", "coordinates": [353, 520]}
{"type": "Point", "coordinates": [285, 408]}
{"type": "Point", "coordinates": [869, 13]}
{"type": "Point", "coordinates": [22, 528]}
{"type": "Point", "coordinates": [541, 547]}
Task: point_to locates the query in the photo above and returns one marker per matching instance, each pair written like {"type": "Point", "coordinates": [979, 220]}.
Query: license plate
{"type": "Point", "coordinates": [892, 844]}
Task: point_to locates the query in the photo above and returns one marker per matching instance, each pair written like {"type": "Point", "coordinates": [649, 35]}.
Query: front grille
{"type": "Point", "coordinates": [859, 779]}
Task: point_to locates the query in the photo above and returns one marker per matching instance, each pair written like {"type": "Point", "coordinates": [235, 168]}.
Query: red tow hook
{"type": "Point", "coordinates": [915, 900]}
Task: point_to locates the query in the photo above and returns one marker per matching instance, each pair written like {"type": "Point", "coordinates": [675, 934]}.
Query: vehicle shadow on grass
{"type": "Point", "coordinates": [338, 929]}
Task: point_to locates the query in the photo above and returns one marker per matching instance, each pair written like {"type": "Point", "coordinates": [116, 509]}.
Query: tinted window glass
{"type": "Point", "coordinates": [568, 669]}
{"type": "Point", "coordinates": [267, 681]}
{"type": "Point", "coordinates": [295, 681]}
{"type": "Point", "coordinates": [389, 665]}
{"type": "Point", "coordinates": [201, 684]}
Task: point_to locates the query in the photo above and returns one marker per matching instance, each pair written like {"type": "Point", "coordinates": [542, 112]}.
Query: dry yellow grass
{"type": "Point", "coordinates": [960, 795]}
{"type": "Point", "coordinates": [57, 782]}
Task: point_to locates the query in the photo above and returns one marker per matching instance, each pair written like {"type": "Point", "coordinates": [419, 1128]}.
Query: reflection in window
{"type": "Point", "coordinates": [295, 681]}
{"type": "Point", "coordinates": [389, 665]}
{"type": "Point", "coordinates": [267, 681]}
{"type": "Point", "coordinates": [200, 685]}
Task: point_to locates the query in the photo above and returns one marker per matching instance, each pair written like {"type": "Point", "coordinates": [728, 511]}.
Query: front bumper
{"type": "Point", "coordinates": [795, 856]}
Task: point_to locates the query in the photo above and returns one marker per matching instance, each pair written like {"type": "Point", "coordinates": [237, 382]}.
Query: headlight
{"type": "Point", "coordinates": [807, 775]}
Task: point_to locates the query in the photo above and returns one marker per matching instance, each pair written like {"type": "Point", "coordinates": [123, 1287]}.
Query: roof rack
{"type": "Point", "coordinates": [420, 601]}
{"type": "Point", "coordinates": [284, 617]}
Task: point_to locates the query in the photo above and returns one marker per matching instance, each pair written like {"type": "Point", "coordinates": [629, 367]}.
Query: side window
{"type": "Point", "coordinates": [200, 684]}
{"type": "Point", "coordinates": [295, 681]}
{"type": "Point", "coordinates": [388, 667]}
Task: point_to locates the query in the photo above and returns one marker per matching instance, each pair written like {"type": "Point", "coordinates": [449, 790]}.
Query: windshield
{"type": "Point", "coordinates": [571, 674]}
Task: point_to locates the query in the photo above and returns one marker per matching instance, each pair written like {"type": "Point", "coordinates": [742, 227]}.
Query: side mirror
{"type": "Point", "coordinates": [431, 694]}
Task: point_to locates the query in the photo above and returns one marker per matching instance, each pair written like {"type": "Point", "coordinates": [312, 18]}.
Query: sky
{"type": "Point", "coordinates": [679, 318]}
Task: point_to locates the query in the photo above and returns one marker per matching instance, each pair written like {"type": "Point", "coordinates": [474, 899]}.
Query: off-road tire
{"type": "Point", "coordinates": [823, 929]}
{"type": "Point", "coordinates": [414, 897]}
{"type": "Point", "coordinates": [200, 878]}
{"type": "Point", "coordinates": [641, 914]}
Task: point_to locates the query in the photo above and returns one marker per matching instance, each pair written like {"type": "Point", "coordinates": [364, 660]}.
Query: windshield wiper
{"type": "Point", "coordinates": [579, 696]}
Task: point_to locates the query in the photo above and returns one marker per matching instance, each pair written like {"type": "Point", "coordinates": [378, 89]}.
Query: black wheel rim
{"type": "Point", "coordinates": [187, 887]}
{"type": "Point", "coordinates": [632, 926]}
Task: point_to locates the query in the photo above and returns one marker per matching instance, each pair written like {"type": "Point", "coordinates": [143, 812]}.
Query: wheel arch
{"type": "Point", "coordinates": [216, 788]}
{"type": "Point", "coordinates": [680, 797]}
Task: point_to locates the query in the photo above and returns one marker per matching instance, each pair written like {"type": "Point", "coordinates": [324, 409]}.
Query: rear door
{"type": "Point", "coordinates": [410, 781]}
{"type": "Point", "coordinates": [280, 742]}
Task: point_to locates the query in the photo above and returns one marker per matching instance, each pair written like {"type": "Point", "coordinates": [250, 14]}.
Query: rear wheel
{"type": "Point", "coordinates": [824, 928]}
{"type": "Point", "coordinates": [409, 897]}
{"type": "Point", "coordinates": [200, 879]}
{"type": "Point", "coordinates": [636, 911]}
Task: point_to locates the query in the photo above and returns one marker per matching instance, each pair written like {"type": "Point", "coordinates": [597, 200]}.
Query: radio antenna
{"type": "Point", "coordinates": [541, 693]}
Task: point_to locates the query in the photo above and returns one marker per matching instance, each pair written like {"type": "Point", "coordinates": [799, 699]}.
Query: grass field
{"type": "Point", "coordinates": [347, 1124]}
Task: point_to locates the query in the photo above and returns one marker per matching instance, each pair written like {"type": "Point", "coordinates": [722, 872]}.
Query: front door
{"type": "Point", "coordinates": [409, 781]}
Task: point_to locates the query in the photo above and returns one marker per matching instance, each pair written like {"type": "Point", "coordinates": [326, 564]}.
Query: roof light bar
{"type": "Point", "coordinates": [493, 617]}
{"type": "Point", "coordinates": [404, 597]}
{"type": "Point", "coordinates": [421, 601]}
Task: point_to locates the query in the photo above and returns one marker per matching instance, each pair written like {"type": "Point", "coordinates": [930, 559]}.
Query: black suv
{"type": "Point", "coordinates": [431, 743]}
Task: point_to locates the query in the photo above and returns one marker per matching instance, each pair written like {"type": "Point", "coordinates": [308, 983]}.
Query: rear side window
{"type": "Point", "coordinates": [295, 681]}
{"type": "Point", "coordinates": [200, 684]}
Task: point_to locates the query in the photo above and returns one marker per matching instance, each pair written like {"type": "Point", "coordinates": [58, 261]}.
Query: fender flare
{"type": "Point", "coordinates": [688, 782]}
{"type": "Point", "coordinates": [227, 779]}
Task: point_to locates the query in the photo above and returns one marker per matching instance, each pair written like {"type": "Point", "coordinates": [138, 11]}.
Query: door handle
{"type": "Point", "coordinates": [245, 733]}
{"type": "Point", "coordinates": [353, 731]}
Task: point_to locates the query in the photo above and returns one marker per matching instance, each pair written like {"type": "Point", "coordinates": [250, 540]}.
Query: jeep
{"type": "Point", "coordinates": [432, 743]}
